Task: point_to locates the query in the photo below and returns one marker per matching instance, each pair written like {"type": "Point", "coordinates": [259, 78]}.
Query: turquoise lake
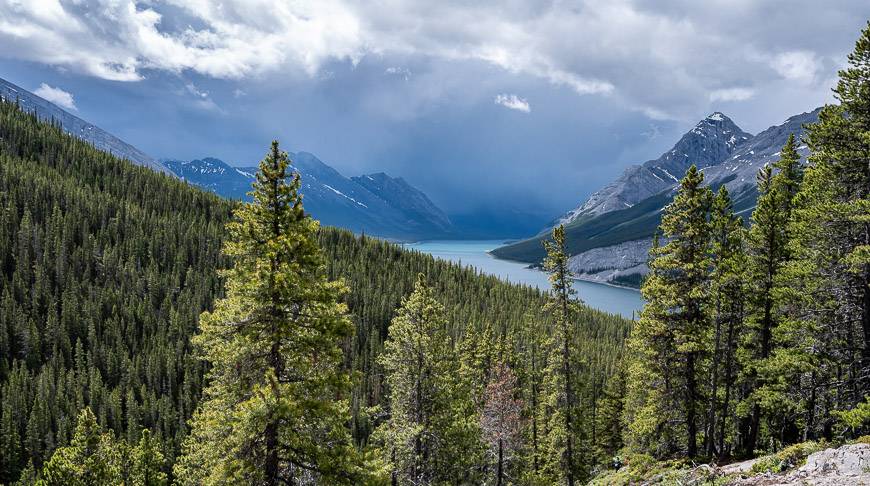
{"type": "Point", "coordinates": [616, 300]}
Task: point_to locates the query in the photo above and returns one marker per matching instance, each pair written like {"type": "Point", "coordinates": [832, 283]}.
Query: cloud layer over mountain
{"type": "Point", "coordinates": [408, 86]}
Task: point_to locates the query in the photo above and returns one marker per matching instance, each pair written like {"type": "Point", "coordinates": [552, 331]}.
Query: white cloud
{"type": "Point", "coordinates": [201, 97]}
{"type": "Point", "coordinates": [799, 66]}
{"type": "Point", "coordinates": [57, 96]}
{"type": "Point", "coordinates": [401, 72]}
{"type": "Point", "coordinates": [732, 94]}
{"type": "Point", "coordinates": [513, 102]}
{"type": "Point", "coordinates": [192, 89]}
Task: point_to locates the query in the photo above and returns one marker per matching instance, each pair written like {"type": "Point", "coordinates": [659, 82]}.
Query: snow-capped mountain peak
{"type": "Point", "coordinates": [709, 142]}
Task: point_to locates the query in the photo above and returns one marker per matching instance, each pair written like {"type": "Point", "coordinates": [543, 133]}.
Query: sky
{"type": "Point", "coordinates": [508, 104]}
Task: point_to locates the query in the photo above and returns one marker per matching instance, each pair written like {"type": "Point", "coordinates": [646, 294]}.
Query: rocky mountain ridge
{"type": "Point", "coordinates": [611, 231]}
{"type": "Point", "coordinates": [375, 204]}
{"type": "Point", "coordinates": [710, 142]}
{"type": "Point", "coordinates": [99, 138]}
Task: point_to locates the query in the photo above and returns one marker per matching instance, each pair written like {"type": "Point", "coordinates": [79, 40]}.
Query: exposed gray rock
{"type": "Point", "coordinates": [849, 460]}
{"type": "Point", "coordinates": [609, 263]}
{"type": "Point", "coordinates": [848, 465]}
{"type": "Point", "coordinates": [738, 172]}
{"type": "Point", "coordinates": [710, 142]}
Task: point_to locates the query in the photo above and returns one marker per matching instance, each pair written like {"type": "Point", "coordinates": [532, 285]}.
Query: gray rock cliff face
{"type": "Point", "coordinates": [608, 263]}
{"type": "Point", "coordinates": [710, 142]}
{"type": "Point", "coordinates": [738, 171]}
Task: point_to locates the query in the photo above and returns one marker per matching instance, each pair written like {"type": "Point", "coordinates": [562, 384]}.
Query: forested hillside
{"type": "Point", "coordinates": [105, 268]}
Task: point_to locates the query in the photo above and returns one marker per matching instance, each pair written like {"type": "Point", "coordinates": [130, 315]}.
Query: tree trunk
{"type": "Point", "coordinates": [535, 427]}
{"type": "Point", "coordinates": [569, 396]}
{"type": "Point", "coordinates": [418, 442]}
{"type": "Point", "coordinates": [710, 433]}
{"type": "Point", "coordinates": [865, 318]}
{"type": "Point", "coordinates": [764, 352]}
{"type": "Point", "coordinates": [811, 409]}
{"type": "Point", "coordinates": [729, 358]}
{"type": "Point", "coordinates": [569, 401]}
{"type": "Point", "coordinates": [691, 397]}
{"type": "Point", "coordinates": [270, 434]}
{"type": "Point", "coordinates": [394, 479]}
{"type": "Point", "coordinates": [500, 462]}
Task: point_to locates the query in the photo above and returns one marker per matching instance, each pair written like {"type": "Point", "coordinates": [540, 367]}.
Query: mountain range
{"type": "Point", "coordinates": [375, 204]}
{"type": "Point", "coordinates": [609, 234]}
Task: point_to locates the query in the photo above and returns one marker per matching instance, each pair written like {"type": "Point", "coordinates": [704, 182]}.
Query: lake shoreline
{"type": "Point", "coordinates": [607, 297]}
{"type": "Point", "coordinates": [531, 266]}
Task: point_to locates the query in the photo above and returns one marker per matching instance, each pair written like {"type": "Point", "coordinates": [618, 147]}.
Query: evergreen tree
{"type": "Point", "coordinates": [768, 253]}
{"type": "Point", "coordinates": [827, 288]}
{"type": "Point", "coordinates": [148, 462]}
{"type": "Point", "coordinates": [274, 410]}
{"type": "Point", "coordinates": [425, 439]}
{"type": "Point", "coordinates": [531, 375]}
{"type": "Point", "coordinates": [101, 291]}
{"type": "Point", "coordinates": [726, 306]}
{"type": "Point", "coordinates": [93, 458]}
{"type": "Point", "coordinates": [610, 424]}
{"type": "Point", "coordinates": [560, 387]}
{"type": "Point", "coordinates": [670, 341]}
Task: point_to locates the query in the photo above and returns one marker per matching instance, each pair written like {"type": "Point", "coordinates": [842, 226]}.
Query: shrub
{"type": "Point", "coordinates": [788, 458]}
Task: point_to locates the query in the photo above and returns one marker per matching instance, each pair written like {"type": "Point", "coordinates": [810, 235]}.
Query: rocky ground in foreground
{"type": "Point", "coordinates": [810, 463]}
{"type": "Point", "coordinates": [847, 466]}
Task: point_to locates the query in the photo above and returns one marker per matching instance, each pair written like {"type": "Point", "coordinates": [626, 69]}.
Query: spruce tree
{"type": "Point", "coordinates": [828, 281]}
{"type": "Point", "coordinates": [91, 459]}
{"type": "Point", "coordinates": [768, 253]}
{"type": "Point", "coordinates": [609, 419]}
{"type": "Point", "coordinates": [726, 308]}
{"type": "Point", "coordinates": [560, 376]}
{"type": "Point", "coordinates": [275, 407]}
{"type": "Point", "coordinates": [148, 462]}
{"type": "Point", "coordinates": [670, 341]}
{"type": "Point", "coordinates": [425, 440]}
{"type": "Point", "coordinates": [129, 314]}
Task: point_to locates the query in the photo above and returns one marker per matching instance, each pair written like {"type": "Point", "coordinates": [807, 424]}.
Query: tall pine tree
{"type": "Point", "coordinates": [275, 408]}
{"type": "Point", "coordinates": [430, 436]}
{"type": "Point", "coordinates": [828, 289]}
{"type": "Point", "coordinates": [669, 342]}
{"type": "Point", "coordinates": [726, 308]}
{"type": "Point", "coordinates": [768, 253]}
{"type": "Point", "coordinates": [560, 397]}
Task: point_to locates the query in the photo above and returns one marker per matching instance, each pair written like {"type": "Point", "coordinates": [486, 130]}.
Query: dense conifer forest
{"type": "Point", "coordinates": [106, 268]}
{"type": "Point", "coordinates": [152, 333]}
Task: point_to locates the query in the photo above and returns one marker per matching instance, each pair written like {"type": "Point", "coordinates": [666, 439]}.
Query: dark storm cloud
{"type": "Point", "coordinates": [518, 103]}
